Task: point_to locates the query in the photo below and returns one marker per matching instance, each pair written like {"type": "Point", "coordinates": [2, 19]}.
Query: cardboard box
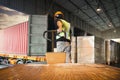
{"type": "Point", "coordinates": [55, 57]}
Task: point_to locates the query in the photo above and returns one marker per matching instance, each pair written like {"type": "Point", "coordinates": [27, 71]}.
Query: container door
{"type": "Point", "coordinates": [37, 44]}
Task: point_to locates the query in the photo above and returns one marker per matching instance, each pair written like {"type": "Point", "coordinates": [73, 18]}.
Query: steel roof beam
{"type": "Point", "coordinates": [105, 11]}
{"type": "Point", "coordinates": [82, 11]}
{"type": "Point", "coordinates": [116, 10]}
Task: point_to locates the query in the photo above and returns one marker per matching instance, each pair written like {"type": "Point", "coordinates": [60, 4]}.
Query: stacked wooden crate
{"type": "Point", "coordinates": [85, 49]}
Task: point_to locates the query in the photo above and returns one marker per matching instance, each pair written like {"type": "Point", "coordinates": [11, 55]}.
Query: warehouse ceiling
{"type": "Point", "coordinates": [10, 17]}
{"type": "Point", "coordinates": [106, 18]}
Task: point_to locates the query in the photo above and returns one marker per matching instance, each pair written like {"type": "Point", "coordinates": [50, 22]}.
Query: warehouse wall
{"type": "Point", "coordinates": [84, 26]}
{"type": "Point", "coordinates": [100, 50]}
{"type": "Point", "coordinates": [14, 39]}
{"type": "Point", "coordinates": [111, 34]}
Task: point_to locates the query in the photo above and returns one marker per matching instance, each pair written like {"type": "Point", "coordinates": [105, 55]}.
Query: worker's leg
{"type": "Point", "coordinates": [68, 52]}
{"type": "Point", "coordinates": [64, 47]}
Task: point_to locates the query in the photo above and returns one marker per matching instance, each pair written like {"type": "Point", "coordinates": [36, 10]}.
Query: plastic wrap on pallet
{"type": "Point", "coordinates": [85, 49]}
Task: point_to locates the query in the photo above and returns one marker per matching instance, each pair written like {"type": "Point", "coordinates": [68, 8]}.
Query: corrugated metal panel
{"type": "Point", "coordinates": [17, 4]}
{"type": "Point", "coordinates": [15, 39]}
{"type": "Point", "coordinates": [1, 40]}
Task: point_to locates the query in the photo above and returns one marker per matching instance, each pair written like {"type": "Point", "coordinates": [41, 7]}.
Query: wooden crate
{"type": "Point", "coordinates": [55, 57]}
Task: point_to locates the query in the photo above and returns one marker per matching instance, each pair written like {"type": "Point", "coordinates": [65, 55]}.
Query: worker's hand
{"type": "Point", "coordinates": [58, 31]}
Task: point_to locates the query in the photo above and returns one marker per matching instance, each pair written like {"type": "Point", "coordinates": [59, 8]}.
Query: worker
{"type": "Point", "coordinates": [63, 35]}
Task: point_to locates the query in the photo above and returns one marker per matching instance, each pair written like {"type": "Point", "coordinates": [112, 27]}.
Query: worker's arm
{"type": "Point", "coordinates": [59, 24]}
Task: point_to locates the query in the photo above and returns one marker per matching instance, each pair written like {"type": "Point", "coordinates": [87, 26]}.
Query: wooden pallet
{"type": "Point", "coordinates": [60, 72]}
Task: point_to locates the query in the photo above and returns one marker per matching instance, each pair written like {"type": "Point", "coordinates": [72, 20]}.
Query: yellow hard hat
{"type": "Point", "coordinates": [58, 13]}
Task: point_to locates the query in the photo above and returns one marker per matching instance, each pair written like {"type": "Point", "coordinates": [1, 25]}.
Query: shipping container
{"type": "Point", "coordinates": [25, 40]}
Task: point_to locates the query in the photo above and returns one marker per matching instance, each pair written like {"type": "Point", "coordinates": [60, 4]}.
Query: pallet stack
{"type": "Point", "coordinates": [85, 49]}
{"type": "Point", "coordinates": [82, 49]}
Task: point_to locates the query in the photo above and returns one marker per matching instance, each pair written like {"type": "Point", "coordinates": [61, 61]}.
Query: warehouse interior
{"type": "Point", "coordinates": [95, 45]}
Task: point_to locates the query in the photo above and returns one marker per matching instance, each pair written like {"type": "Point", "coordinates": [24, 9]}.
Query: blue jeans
{"type": "Point", "coordinates": [64, 47]}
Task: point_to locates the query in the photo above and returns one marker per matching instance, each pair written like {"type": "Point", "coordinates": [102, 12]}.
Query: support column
{"type": "Point", "coordinates": [108, 52]}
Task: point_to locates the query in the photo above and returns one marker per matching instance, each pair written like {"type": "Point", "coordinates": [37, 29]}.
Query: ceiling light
{"type": "Point", "coordinates": [114, 31]}
{"type": "Point", "coordinates": [98, 6]}
{"type": "Point", "coordinates": [110, 25]}
{"type": "Point", "coordinates": [98, 9]}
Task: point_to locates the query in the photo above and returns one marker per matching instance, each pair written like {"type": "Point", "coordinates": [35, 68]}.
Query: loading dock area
{"type": "Point", "coordinates": [28, 49]}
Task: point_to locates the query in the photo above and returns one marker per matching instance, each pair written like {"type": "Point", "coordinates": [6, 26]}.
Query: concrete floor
{"type": "Point", "coordinates": [5, 66]}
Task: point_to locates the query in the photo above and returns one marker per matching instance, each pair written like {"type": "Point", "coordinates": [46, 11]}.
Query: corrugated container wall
{"type": "Point", "coordinates": [14, 39]}
{"type": "Point", "coordinates": [1, 40]}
